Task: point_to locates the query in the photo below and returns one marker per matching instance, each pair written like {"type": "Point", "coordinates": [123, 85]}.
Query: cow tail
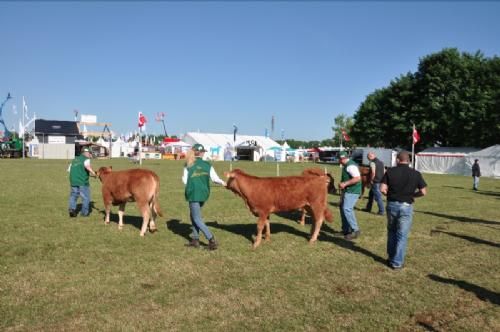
{"type": "Point", "coordinates": [156, 204]}
{"type": "Point", "coordinates": [328, 215]}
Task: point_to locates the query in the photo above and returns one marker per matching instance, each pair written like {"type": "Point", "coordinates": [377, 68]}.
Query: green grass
{"type": "Point", "coordinates": [58, 273]}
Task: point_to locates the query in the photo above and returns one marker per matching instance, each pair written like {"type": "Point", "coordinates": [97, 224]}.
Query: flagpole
{"type": "Point", "coordinates": [413, 148]}
{"type": "Point", "coordinates": [24, 128]}
{"type": "Point", "coordinates": [140, 146]}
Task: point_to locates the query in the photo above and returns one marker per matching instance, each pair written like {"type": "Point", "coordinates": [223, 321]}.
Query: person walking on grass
{"type": "Point", "coordinates": [377, 170]}
{"type": "Point", "coordinates": [402, 185]}
{"type": "Point", "coordinates": [350, 186]}
{"type": "Point", "coordinates": [476, 173]}
{"type": "Point", "coordinates": [196, 176]}
{"type": "Point", "coordinates": [79, 171]}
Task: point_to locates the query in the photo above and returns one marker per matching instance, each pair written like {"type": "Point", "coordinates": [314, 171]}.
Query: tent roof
{"type": "Point", "coordinates": [447, 151]}
{"type": "Point", "coordinates": [223, 140]}
{"type": "Point", "coordinates": [492, 151]}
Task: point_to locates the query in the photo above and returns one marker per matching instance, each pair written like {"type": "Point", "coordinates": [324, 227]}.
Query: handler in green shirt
{"type": "Point", "coordinates": [79, 171]}
{"type": "Point", "coordinates": [351, 189]}
{"type": "Point", "coordinates": [197, 173]}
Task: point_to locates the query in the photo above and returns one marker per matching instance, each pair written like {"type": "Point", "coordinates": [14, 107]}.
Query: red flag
{"type": "Point", "coordinates": [416, 136]}
{"type": "Point", "coordinates": [344, 134]}
{"type": "Point", "coordinates": [142, 119]}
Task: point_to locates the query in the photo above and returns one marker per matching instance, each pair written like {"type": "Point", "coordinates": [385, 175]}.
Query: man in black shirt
{"type": "Point", "coordinates": [476, 173]}
{"type": "Point", "coordinates": [377, 169]}
{"type": "Point", "coordinates": [401, 185]}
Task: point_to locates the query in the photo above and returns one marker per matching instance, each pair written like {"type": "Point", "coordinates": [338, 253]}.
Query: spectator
{"type": "Point", "coordinates": [79, 181]}
{"type": "Point", "coordinates": [476, 173]}
{"type": "Point", "coordinates": [377, 172]}
{"type": "Point", "coordinates": [351, 189]}
{"type": "Point", "coordinates": [402, 185]}
{"type": "Point", "coordinates": [197, 173]}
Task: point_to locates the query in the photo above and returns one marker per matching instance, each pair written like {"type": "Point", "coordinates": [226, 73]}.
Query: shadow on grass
{"type": "Point", "coordinates": [461, 219]}
{"type": "Point", "coordinates": [127, 220]}
{"type": "Point", "coordinates": [468, 238]}
{"type": "Point", "coordinates": [294, 215]}
{"type": "Point", "coordinates": [181, 229]}
{"type": "Point", "coordinates": [248, 230]}
{"type": "Point", "coordinates": [489, 193]}
{"type": "Point", "coordinates": [481, 292]}
{"type": "Point", "coordinates": [454, 187]}
{"type": "Point", "coordinates": [336, 204]}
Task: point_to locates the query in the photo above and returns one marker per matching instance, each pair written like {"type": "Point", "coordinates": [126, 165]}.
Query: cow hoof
{"type": "Point", "coordinates": [120, 228]}
{"type": "Point", "coordinates": [106, 222]}
{"type": "Point", "coordinates": [154, 230]}
{"type": "Point", "coordinates": [142, 235]}
{"type": "Point", "coordinates": [311, 241]}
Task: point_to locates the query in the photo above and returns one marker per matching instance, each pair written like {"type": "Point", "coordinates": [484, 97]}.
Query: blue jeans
{"type": "Point", "coordinates": [399, 220]}
{"type": "Point", "coordinates": [197, 221]}
{"type": "Point", "coordinates": [84, 192]}
{"type": "Point", "coordinates": [347, 203]}
{"type": "Point", "coordinates": [476, 182]}
{"type": "Point", "coordinates": [377, 195]}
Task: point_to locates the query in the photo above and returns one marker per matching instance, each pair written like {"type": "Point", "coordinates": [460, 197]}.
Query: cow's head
{"type": "Point", "coordinates": [101, 172]}
{"type": "Point", "coordinates": [232, 182]}
{"type": "Point", "coordinates": [319, 172]}
{"type": "Point", "coordinates": [331, 184]}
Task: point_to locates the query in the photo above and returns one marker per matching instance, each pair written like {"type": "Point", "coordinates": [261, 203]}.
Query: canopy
{"type": "Point", "coordinates": [443, 160]}
{"type": "Point", "coordinates": [489, 161]}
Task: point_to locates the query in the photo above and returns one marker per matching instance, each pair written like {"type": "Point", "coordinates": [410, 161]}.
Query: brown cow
{"type": "Point", "coordinates": [267, 195]}
{"type": "Point", "coordinates": [133, 185]}
{"type": "Point", "coordinates": [331, 186]}
{"type": "Point", "coordinates": [366, 178]}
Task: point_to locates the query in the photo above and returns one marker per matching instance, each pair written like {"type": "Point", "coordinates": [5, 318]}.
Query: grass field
{"type": "Point", "coordinates": [62, 274]}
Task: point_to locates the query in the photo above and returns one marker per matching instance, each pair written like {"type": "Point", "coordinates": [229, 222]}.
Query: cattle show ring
{"type": "Point", "coordinates": [283, 261]}
{"type": "Point", "coordinates": [250, 166]}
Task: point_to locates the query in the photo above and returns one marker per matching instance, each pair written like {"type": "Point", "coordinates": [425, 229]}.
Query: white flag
{"type": "Point", "coordinates": [25, 109]}
{"type": "Point", "coordinates": [21, 129]}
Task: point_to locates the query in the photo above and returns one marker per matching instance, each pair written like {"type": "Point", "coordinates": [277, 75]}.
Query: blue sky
{"type": "Point", "coordinates": [208, 65]}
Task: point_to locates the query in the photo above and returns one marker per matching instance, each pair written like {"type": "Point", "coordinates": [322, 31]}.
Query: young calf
{"type": "Point", "coordinates": [134, 185]}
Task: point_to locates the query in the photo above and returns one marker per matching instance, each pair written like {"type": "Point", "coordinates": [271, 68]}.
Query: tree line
{"type": "Point", "coordinates": [453, 99]}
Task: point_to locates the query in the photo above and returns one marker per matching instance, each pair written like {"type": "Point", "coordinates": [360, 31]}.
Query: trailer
{"type": "Point", "coordinates": [387, 156]}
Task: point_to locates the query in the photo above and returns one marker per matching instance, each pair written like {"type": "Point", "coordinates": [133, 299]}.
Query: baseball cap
{"type": "Point", "coordinates": [199, 147]}
{"type": "Point", "coordinates": [343, 154]}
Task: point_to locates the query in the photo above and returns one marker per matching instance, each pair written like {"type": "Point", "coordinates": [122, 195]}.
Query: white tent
{"type": "Point", "coordinates": [177, 147]}
{"type": "Point", "coordinates": [489, 161]}
{"type": "Point", "coordinates": [443, 160]}
{"type": "Point", "coordinates": [217, 144]}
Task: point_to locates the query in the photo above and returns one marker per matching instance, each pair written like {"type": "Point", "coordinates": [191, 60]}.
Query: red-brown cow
{"type": "Point", "coordinates": [134, 185]}
{"type": "Point", "coordinates": [366, 178]}
{"type": "Point", "coordinates": [331, 186]}
{"type": "Point", "coordinates": [267, 195]}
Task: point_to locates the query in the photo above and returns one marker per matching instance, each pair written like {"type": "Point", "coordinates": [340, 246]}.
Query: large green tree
{"type": "Point", "coordinates": [341, 122]}
{"type": "Point", "coordinates": [453, 99]}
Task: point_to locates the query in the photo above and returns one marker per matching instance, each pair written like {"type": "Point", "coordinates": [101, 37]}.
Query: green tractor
{"type": "Point", "coordinates": [13, 148]}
